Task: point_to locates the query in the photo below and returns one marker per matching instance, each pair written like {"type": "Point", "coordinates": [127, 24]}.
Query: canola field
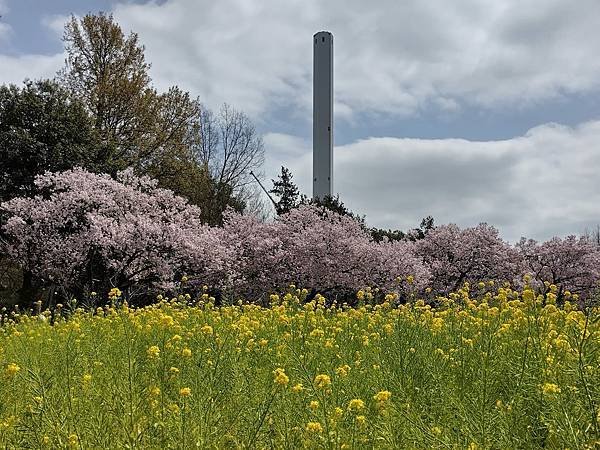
{"type": "Point", "coordinates": [486, 367]}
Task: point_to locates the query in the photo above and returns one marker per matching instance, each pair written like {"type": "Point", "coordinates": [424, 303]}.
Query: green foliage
{"type": "Point", "coordinates": [286, 191]}
{"type": "Point", "coordinates": [42, 128]}
{"type": "Point", "coordinates": [108, 72]}
{"type": "Point", "coordinates": [220, 197]}
{"type": "Point", "coordinates": [159, 134]}
{"type": "Point", "coordinates": [379, 234]}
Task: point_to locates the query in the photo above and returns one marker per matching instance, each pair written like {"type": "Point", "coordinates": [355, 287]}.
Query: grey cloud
{"type": "Point", "coordinates": [394, 58]}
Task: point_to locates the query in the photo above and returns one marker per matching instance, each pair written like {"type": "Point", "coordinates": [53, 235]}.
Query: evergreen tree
{"type": "Point", "coordinates": [287, 192]}
{"type": "Point", "coordinates": [42, 127]}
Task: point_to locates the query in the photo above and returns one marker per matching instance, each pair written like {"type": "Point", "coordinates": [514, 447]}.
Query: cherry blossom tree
{"type": "Point", "coordinates": [456, 255]}
{"type": "Point", "coordinates": [257, 257]}
{"type": "Point", "coordinates": [85, 232]}
{"type": "Point", "coordinates": [318, 249]}
{"type": "Point", "coordinates": [572, 264]}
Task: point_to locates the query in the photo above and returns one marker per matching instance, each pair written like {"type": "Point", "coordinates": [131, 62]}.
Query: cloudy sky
{"type": "Point", "coordinates": [470, 111]}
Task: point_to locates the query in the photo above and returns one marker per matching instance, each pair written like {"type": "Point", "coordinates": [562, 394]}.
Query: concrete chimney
{"type": "Point", "coordinates": [322, 114]}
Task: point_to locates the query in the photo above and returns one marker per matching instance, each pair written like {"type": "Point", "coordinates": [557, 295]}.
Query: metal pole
{"type": "Point", "coordinates": [263, 188]}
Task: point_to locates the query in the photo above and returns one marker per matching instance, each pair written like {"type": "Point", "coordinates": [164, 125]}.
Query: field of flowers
{"type": "Point", "coordinates": [487, 367]}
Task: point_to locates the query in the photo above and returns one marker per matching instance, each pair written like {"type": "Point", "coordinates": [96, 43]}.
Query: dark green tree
{"type": "Point", "coordinates": [379, 234]}
{"type": "Point", "coordinates": [42, 128]}
{"type": "Point", "coordinates": [287, 192]}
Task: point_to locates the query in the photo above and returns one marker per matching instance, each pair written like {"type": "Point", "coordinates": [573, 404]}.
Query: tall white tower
{"type": "Point", "coordinates": [322, 114]}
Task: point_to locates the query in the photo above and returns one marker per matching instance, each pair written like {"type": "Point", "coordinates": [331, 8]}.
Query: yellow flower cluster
{"type": "Point", "coordinates": [153, 352]}
{"type": "Point", "coordinates": [185, 392]}
{"type": "Point", "coordinates": [322, 381]}
{"type": "Point", "coordinates": [11, 370]}
{"type": "Point", "coordinates": [550, 388]}
{"type": "Point", "coordinates": [314, 427]}
{"type": "Point", "coordinates": [356, 404]}
{"type": "Point", "coordinates": [280, 376]}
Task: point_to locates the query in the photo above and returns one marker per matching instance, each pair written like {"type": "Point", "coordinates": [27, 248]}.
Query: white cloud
{"type": "Point", "coordinates": [55, 23]}
{"type": "Point", "coordinates": [394, 57]}
{"type": "Point", "coordinates": [542, 184]}
{"type": "Point", "coordinates": [15, 69]}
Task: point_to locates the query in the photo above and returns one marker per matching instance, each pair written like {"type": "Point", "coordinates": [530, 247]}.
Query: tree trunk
{"type": "Point", "coordinates": [27, 290]}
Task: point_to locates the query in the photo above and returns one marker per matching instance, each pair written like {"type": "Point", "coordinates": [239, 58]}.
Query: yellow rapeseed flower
{"type": "Point", "coordinates": [322, 381]}
{"type": "Point", "coordinates": [314, 405]}
{"type": "Point", "coordinates": [337, 413]}
{"type": "Point", "coordinates": [342, 371]}
{"type": "Point", "coordinates": [280, 377]}
{"type": "Point", "coordinates": [314, 427]}
{"type": "Point", "coordinates": [185, 392]}
{"type": "Point", "coordinates": [356, 404]}
{"type": "Point", "coordinates": [11, 370]}
{"type": "Point", "coordinates": [550, 388]}
{"type": "Point", "coordinates": [167, 320]}
{"type": "Point", "coordinates": [186, 352]}
{"type": "Point", "coordinates": [437, 324]}
{"type": "Point", "coordinates": [73, 440]}
{"type": "Point", "coordinates": [382, 396]}
{"type": "Point", "coordinates": [153, 352]}
{"type": "Point", "coordinates": [361, 421]}
{"type": "Point", "coordinates": [207, 330]}
{"type": "Point", "coordinates": [154, 391]}
{"type": "Point", "coordinates": [298, 388]}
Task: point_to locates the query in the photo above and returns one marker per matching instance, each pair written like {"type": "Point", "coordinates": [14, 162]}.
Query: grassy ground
{"type": "Point", "coordinates": [488, 368]}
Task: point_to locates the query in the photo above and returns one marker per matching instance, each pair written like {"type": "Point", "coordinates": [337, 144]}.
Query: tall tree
{"type": "Point", "coordinates": [229, 146]}
{"type": "Point", "coordinates": [287, 192]}
{"type": "Point", "coordinates": [108, 71]}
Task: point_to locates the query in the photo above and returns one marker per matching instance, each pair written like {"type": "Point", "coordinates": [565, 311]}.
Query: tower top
{"type": "Point", "coordinates": [324, 36]}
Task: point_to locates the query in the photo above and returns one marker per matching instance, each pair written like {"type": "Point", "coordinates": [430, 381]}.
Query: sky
{"type": "Point", "coordinates": [469, 111]}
